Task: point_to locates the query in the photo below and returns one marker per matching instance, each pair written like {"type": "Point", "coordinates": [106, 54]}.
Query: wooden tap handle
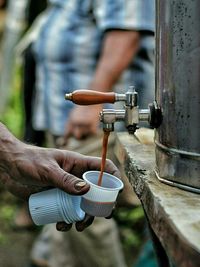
{"type": "Point", "coordinates": [89, 97]}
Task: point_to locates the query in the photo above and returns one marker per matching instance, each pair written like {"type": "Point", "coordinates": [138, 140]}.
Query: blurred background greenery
{"type": "Point", "coordinates": [14, 114]}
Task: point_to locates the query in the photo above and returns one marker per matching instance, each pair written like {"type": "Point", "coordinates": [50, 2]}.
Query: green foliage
{"type": "Point", "coordinates": [131, 226]}
{"type": "Point", "coordinates": [7, 213]}
{"type": "Point", "coordinates": [13, 115]}
{"type": "Point", "coordinates": [130, 216]}
{"type": "Point", "coordinates": [3, 238]}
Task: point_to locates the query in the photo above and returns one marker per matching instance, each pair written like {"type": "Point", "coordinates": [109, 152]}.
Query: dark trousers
{"type": "Point", "coordinates": [34, 8]}
{"type": "Point", "coordinates": [30, 135]}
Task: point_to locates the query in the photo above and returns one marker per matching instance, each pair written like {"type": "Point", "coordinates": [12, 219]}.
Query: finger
{"type": "Point", "coordinates": [80, 164]}
{"type": "Point", "coordinates": [63, 226]}
{"type": "Point", "coordinates": [77, 133]}
{"type": "Point", "coordinates": [68, 182]}
{"type": "Point", "coordinates": [111, 168]}
{"type": "Point", "coordinates": [95, 164]}
{"type": "Point", "coordinates": [68, 132]}
{"type": "Point", "coordinates": [112, 213]}
{"type": "Point", "coordinates": [94, 129]}
{"type": "Point", "coordinates": [87, 221]}
{"type": "Point", "coordinates": [81, 131]}
{"type": "Point", "coordinates": [110, 216]}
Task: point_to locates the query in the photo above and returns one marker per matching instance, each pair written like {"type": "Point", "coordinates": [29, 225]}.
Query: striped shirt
{"type": "Point", "coordinates": [68, 47]}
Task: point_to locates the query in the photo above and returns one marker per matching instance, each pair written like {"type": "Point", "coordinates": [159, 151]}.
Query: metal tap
{"type": "Point", "coordinates": [131, 114]}
{"type": "Point", "coordinates": [109, 116]}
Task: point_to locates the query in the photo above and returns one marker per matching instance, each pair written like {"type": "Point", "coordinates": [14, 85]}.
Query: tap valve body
{"type": "Point", "coordinates": [131, 114]}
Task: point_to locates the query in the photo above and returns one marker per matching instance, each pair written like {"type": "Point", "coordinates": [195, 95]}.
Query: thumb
{"type": "Point", "coordinates": [68, 182]}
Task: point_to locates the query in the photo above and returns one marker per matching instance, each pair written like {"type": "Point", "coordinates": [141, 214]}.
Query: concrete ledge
{"type": "Point", "coordinates": [173, 214]}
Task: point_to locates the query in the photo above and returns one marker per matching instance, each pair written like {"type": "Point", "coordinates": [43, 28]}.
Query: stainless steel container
{"type": "Point", "coordinates": [178, 92]}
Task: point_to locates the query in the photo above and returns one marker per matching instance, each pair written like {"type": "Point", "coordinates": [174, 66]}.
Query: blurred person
{"type": "Point", "coordinates": [99, 45]}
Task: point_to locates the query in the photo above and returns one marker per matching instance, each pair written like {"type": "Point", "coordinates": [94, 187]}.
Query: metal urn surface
{"type": "Point", "coordinates": [178, 93]}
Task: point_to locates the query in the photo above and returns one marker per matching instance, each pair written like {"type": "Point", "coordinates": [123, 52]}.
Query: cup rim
{"type": "Point", "coordinates": [101, 187]}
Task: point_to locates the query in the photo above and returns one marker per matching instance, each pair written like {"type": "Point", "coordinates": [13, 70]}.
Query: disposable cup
{"type": "Point", "coordinates": [71, 207]}
{"type": "Point", "coordinates": [53, 206]}
{"type": "Point", "coordinates": [100, 200]}
{"type": "Point", "coordinates": [64, 207]}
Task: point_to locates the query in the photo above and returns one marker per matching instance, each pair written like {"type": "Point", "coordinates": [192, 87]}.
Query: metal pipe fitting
{"type": "Point", "coordinates": [109, 116]}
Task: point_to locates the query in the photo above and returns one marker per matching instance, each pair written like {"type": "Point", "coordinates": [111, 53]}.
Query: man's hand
{"type": "Point", "coordinates": [83, 122]}
{"type": "Point", "coordinates": [31, 169]}
{"type": "Point", "coordinates": [26, 169]}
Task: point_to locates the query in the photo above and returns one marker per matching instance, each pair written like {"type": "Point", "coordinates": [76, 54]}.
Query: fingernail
{"type": "Point", "coordinates": [80, 185]}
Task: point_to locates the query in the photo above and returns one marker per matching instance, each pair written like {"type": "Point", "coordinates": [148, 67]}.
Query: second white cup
{"type": "Point", "coordinates": [53, 206]}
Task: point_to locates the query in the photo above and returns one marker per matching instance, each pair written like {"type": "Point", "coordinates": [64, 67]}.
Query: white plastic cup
{"type": "Point", "coordinates": [53, 206]}
{"type": "Point", "coordinates": [100, 200]}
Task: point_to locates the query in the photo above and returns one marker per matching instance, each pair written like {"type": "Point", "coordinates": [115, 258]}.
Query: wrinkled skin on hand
{"type": "Point", "coordinates": [26, 169]}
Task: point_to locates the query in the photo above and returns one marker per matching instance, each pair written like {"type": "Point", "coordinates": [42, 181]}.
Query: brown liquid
{"type": "Point", "coordinates": [103, 156]}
